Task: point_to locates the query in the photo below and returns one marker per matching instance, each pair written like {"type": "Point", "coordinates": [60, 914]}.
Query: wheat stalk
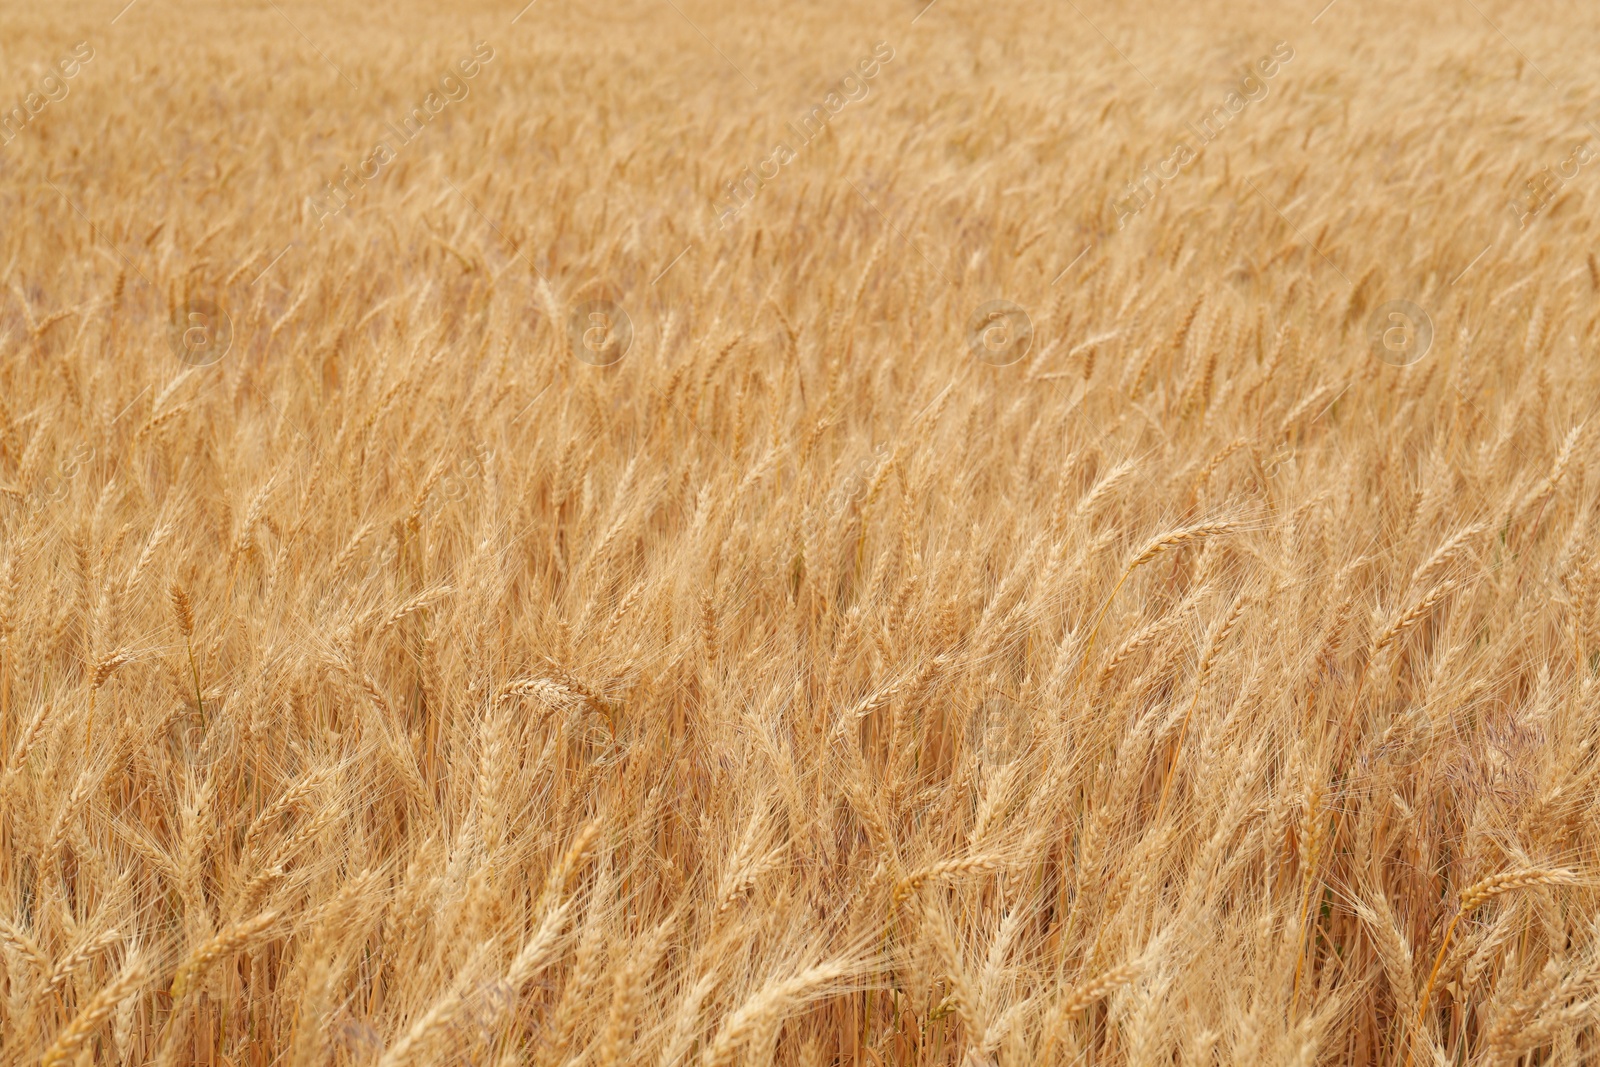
{"type": "Point", "coordinates": [1110, 675]}
{"type": "Point", "coordinates": [1474, 896]}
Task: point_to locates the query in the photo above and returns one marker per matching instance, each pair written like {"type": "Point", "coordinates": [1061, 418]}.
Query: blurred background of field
{"type": "Point", "coordinates": [1197, 687]}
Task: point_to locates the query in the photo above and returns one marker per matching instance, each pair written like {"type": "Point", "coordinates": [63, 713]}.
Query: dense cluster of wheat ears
{"type": "Point", "coordinates": [399, 689]}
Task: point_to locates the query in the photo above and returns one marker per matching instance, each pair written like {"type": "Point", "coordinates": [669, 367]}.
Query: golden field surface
{"type": "Point", "coordinates": [526, 538]}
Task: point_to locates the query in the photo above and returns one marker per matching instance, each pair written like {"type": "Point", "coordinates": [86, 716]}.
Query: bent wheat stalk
{"type": "Point", "coordinates": [1481, 893]}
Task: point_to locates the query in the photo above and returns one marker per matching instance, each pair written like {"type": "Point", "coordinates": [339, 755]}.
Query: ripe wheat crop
{"type": "Point", "coordinates": [683, 533]}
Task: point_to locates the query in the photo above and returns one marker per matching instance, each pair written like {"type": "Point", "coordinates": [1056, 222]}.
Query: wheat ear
{"type": "Point", "coordinates": [64, 1050]}
{"type": "Point", "coordinates": [1481, 893]}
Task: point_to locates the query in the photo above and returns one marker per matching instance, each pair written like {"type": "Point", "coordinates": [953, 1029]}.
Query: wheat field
{"type": "Point", "coordinates": [681, 533]}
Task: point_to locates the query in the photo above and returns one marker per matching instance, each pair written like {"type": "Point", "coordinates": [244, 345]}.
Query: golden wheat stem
{"type": "Point", "coordinates": [1479, 893]}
